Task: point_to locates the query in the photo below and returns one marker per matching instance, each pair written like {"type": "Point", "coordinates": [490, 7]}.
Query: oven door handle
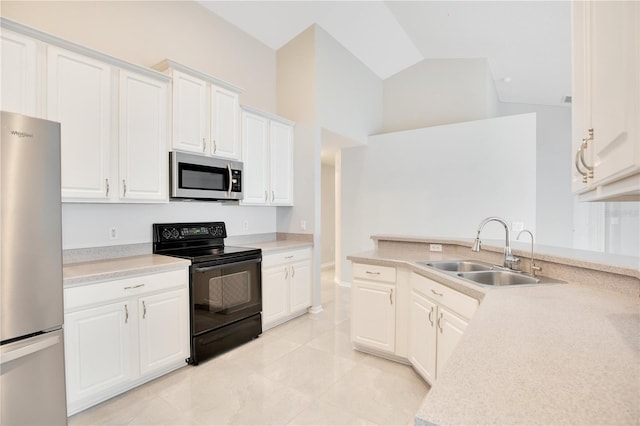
{"type": "Point", "coordinates": [230, 180]}
{"type": "Point", "coordinates": [224, 265]}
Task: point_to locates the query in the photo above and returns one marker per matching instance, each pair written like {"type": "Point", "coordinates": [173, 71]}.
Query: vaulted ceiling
{"type": "Point", "coordinates": [527, 43]}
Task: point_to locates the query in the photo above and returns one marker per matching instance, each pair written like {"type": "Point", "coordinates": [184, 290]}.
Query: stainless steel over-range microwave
{"type": "Point", "coordinates": [197, 177]}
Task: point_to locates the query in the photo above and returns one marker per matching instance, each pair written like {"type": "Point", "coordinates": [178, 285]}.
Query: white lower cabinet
{"type": "Point", "coordinates": [373, 321]}
{"type": "Point", "coordinates": [407, 317]}
{"type": "Point", "coordinates": [120, 334]}
{"type": "Point", "coordinates": [286, 286]}
{"type": "Point", "coordinates": [439, 316]}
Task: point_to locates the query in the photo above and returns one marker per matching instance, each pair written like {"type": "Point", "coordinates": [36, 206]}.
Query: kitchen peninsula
{"type": "Point", "coordinates": [536, 354]}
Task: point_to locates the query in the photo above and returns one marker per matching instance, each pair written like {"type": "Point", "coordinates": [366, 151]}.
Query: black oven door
{"type": "Point", "coordinates": [224, 294]}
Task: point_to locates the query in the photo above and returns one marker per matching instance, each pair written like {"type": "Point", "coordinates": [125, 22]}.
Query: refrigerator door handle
{"type": "Point", "coordinates": [9, 355]}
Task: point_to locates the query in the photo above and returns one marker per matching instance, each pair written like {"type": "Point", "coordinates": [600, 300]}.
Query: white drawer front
{"type": "Point", "coordinates": [461, 304]}
{"type": "Point", "coordinates": [91, 294]}
{"type": "Point", "coordinates": [374, 272]}
{"type": "Point", "coordinates": [286, 257]}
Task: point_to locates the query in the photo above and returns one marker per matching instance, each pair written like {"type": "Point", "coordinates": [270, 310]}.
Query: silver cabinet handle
{"type": "Point", "coordinates": [440, 322]}
{"type": "Point", "coordinates": [583, 174]}
{"type": "Point", "coordinates": [215, 147]}
{"type": "Point", "coordinates": [124, 188]}
{"type": "Point", "coordinates": [107, 182]}
{"type": "Point", "coordinates": [134, 286]}
{"type": "Point", "coordinates": [286, 273]}
{"type": "Point", "coordinates": [273, 196]}
{"type": "Point", "coordinates": [230, 180]}
{"type": "Point", "coordinates": [431, 319]}
{"type": "Point", "coordinates": [204, 145]}
{"type": "Point", "coordinates": [436, 293]}
{"type": "Point", "coordinates": [144, 310]}
{"type": "Point", "coordinates": [293, 272]}
{"type": "Point", "coordinates": [289, 257]}
{"type": "Point", "coordinates": [585, 144]}
{"type": "Point", "coordinates": [371, 273]}
{"type": "Point", "coordinates": [266, 196]}
{"type": "Point", "coordinates": [126, 313]}
{"type": "Point", "coordinates": [391, 296]}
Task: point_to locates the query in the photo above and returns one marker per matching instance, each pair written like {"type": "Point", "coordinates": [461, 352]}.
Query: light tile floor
{"type": "Point", "coordinates": [303, 372]}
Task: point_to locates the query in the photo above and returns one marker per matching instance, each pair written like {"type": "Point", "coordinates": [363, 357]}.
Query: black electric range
{"type": "Point", "coordinates": [225, 285]}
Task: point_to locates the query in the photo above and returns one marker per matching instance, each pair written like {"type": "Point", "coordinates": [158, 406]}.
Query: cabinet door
{"type": "Point", "coordinates": [374, 312]}
{"type": "Point", "coordinates": [275, 293]}
{"type": "Point", "coordinates": [255, 156]}
{"type": "Point", "coordinates": [300, 286]}
{"type": "Point", "coordinates": [225, 131]}
{"type": "Point", "coordinates": [281, 144]}
{"type": "Point", "coordinates": [143, 138]}
{"type": "Point", "coordinates": [19, 74]}
{"type": "Point", "coordinates": [190, 125]}
{"type": "Point", "coordinates": [98, 350]}
{"type": "Point", "coordinates": [79, 97]}
{"type": "Point", "coordinates": [422, 337]}
{"type": "Point", "coordinates": [450, 330]}
{"type": "Point", "coordinates": [164, 330]}
{"type": "Point", "coordinates": [614, 48]}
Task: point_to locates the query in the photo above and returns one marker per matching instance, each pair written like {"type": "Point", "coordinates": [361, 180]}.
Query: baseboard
{"type": "Point", "coordinates": [328, 265]}
{"type": "Point", "coordinates": [315, 309]}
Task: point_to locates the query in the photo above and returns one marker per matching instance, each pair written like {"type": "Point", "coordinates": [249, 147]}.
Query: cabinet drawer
{"type": "Point", "coordinates": [459, 303]}
{"type": "Point", "coordinates": [91, 294]}
{"type": "Point", "coordinates": [374, 272]}
{"type": "Point", "coordinates": [286, 257]}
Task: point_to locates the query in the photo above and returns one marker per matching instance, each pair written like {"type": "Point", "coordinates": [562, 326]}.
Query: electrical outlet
{"type": "Point", "coordinates": [245, 225]}
{"type": "Point", "coordinates": [113, 233]}
{"type": "Point", "coordinates": [303, 225]}
{"type": "Point", "coordinates": [435, 247]}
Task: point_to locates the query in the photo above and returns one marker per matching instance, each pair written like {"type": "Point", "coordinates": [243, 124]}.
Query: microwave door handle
{"type": "Point", "coordinates": [230, 180]}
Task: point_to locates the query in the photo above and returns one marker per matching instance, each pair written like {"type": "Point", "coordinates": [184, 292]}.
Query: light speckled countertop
{"type": "Point", "coordinates": [104, 270]}
{"type": "Point", "coordinates": [547, 354]}
{"type": "Point", "coordinates": [278, 245]}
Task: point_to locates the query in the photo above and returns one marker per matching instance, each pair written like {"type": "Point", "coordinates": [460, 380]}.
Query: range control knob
{"type": "Point", "coordinates": [166, 234]}
{"type": "Point", "coordinates": [174, 234]}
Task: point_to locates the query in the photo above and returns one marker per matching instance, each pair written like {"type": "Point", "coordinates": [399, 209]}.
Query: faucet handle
{"type": "Point", "coordinates": [511, 262]}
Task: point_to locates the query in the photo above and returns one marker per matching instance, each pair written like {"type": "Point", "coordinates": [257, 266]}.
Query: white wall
{"type": "Point", "coordinates": [145, 33]}
{"type": "Point", "coordinates": [327, 218]}
{"type": "Point", "coordinates": [439, 181]}
{"type": "Point", "coordinates": [438, 91]}
{"type": "Point", "coordinates": [554, 197]}
{"type": "Point", "coordinates": [348, 94]}
{"type": "Point", "coordinates": [87, 225]}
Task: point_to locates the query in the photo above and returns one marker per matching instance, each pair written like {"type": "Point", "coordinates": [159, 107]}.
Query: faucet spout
{"type": "Point", "coordinates": [509, 260]}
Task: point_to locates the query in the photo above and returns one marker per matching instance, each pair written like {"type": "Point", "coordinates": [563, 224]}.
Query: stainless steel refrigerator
{"type": "Point", "coordinates": [32, 377]}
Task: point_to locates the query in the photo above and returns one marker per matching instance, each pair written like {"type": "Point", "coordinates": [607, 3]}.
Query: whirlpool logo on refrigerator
{"type": "Point", "coordinates": [21, 134]}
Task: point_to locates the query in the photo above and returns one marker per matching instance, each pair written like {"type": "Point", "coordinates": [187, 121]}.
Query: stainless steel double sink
{"type": "Point", "coordinates": [485, 274]}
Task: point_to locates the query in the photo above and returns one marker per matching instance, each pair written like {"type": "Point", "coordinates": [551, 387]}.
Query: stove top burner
{"type": "Point", "coordinates": [199, 242]}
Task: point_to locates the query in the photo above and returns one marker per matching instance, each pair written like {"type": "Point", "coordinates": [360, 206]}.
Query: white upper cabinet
{"type": "Point", "coordinates": [205, 112]}
{"type": "Point", "coordinates": [114, 114]}
{"type": "Point", "coordinates": [225, 123]}
{"type": "Point", "coordinates": [255, 156]}
{"type": "Point", "coordinates": [267, 154]}
{"type": "Point", "coordinates": [19, 76]}
{"type": "Point", "coordinates": [79, 97]}
{"type": "Point", "coordinates": [189, 113]}
{"type": "Point", "coordinates": [143, 128]}
{"type": "Point", "coordinates": [606, 100]}
{"type": "Point", "coordinates": [281, 144]}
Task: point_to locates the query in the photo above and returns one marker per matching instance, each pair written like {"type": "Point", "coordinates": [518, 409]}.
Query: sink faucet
{"type": "Point", "coordinates": [534, 267]}
{"type": "Point", "coordinates": [510, 261]}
